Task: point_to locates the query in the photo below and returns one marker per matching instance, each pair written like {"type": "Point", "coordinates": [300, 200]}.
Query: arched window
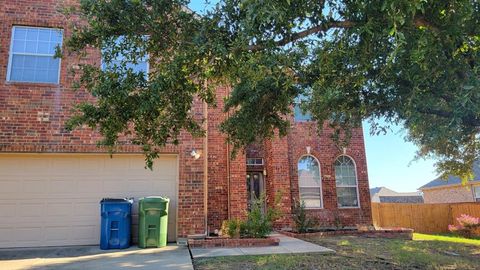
{"type": "Point", "coordinates": [346, 181]}
{"type": "Point", "coordinates": [310, 182]}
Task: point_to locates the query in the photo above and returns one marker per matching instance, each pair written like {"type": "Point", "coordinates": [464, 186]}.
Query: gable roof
{"type": "Point", "coordinates": [386, 195]}
{"type": "Point", "coordinates": [453, 180]}
{"type": "Point", "coordinates": [386, 192]}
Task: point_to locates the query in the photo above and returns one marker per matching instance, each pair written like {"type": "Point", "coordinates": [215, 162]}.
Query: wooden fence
{"type": "Point", "coordinates": [423, 218]}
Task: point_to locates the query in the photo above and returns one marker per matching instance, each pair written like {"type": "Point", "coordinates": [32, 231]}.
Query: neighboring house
{"type": "Point", "coordinates": [385, 195]}
{"type": "Point", "coordinates": [51, 179]}
{"type": "Point", "coordinates": [452, 190]}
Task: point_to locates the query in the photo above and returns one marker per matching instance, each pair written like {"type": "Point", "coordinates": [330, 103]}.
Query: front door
{"type": "Point", "coordinates": [255, 186]}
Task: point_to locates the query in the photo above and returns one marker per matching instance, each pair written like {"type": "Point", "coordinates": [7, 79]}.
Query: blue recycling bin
{"type": "Point", "coordinates": [116, 222]}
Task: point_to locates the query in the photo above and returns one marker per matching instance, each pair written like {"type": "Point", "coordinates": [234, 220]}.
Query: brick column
{"type": "Point", "coordinates": [238, 187]}
{"type": "Point", "coordinates": [278, 178]}
{"type": "Point", "coordinates": [221, 168]}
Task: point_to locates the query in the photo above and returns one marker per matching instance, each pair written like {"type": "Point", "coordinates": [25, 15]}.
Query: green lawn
{"type": "Point", "coordinates": [424, 252]}
{"type": "Point", "coordinates": [446, 238]}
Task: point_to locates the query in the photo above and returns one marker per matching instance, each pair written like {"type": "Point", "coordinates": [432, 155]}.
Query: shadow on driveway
{"type": "Point", "coordinates": [91, 257]}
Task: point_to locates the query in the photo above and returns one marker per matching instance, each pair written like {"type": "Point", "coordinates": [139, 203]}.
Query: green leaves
{"type": "Point", "coordinates": [410, 62]}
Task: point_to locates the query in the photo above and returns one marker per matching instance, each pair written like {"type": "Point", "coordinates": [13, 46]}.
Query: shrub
{"type": "Point", "coordinates": [259, 224]}
{"type": "Point", "coordinates": [232, 228]}
{"type": "Point", "coordinates": [303, 222]}
{"type": "Point", "coordinates": [337, 221]}
{"type": "Point", "coordinates": [466, 227]}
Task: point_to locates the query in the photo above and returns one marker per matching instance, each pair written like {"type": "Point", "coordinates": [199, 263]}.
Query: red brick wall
{"type": "Point", "coordinates": [278, 178]}
{"type": "Point", "coordinates": [238, 187]}
{"type": "Point", "coordinates": [220, 165]}
{"type": "Point", "coordinates": [217, 166]}
{"type": "Point", "coordinates": [20, 104]}
{"type": "Point", "coordinates": [281, 156]}
{"type": "Point", "coordinates": [304, 134]}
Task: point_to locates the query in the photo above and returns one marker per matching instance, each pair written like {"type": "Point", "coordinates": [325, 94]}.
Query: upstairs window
{"type": "Point", "coordinates": [124, 57]}
{"type": "Point", "coordinates": [255, 161]}
{"type": "Point", "coordinates": [299, 114]}
{"type": "Point", "coordinates": [310, 182]}
{"type": "Point", "coordinates": [346, 181]}
{"type": "Point", "coordinates": [32, 53]}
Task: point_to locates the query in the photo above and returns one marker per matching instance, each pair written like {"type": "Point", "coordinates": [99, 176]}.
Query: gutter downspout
{"type": "Point", "coordinates": [228, 167]}
{"type": "Point", "coordinates": [228, 179]}
{"type": "Point", "coordinates": [205, 166]}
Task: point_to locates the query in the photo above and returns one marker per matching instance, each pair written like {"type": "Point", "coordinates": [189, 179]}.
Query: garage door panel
{"type": "Point", "coordinates": [86, 186]}
{"type": "Point", "coordinates": [139, 186]}
{"type": "Point", "coordinates": [48, 200]}
{"type": "Point", "coordinates": [62, 186]}
{"type": "Point", "coordinates": [115, 186]}
{"type": "Point", "coordinates": [10, 186]}
{"type": "Point", "coordinates": [28, 234]}
{"type": "Point", "coordinates": [13, 167]}
{"type": "Point", "coordinates": [85, 233]}
{"type": "Point", "coordinates": [53, 233]}
{"type": "Point", "coordinates": [5, 234]}
{"type": "Point", "coordinates": [59, 209]}
{"type": "Point", "coordinates": [29, 210]}
{"type": "Point", "coordinates": [87, 209]}
{"type": "Point", "coordinates": [7, 210]}
{"type": "Point", "coordinates": [36, 186]}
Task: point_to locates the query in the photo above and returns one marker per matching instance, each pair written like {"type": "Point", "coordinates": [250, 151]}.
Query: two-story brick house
{"type": "Point", "coordinates": [51, 180]}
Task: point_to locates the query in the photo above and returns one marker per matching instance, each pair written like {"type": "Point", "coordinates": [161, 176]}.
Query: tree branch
{"type": "Point", "coordinates": [467, 119]}
{"type": "Point", "coordinates": [296, 36]}
{"type": "Point", "coordinates": [420, 21]}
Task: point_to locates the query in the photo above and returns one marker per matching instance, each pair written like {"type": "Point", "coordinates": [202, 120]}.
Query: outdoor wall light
{"type": "Point", "coordinates": [308, 149]}
{"type": "Point", "coordinates": [195, 154]}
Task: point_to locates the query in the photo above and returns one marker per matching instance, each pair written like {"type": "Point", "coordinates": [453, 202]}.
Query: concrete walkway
{"type": "Point", "coordinates": [91, 257]}
{"type": "Point", "coordinates": [288, 245]}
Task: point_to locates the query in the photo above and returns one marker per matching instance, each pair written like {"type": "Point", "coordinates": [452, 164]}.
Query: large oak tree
{"type": "Point", "coordinates": [411, 62]}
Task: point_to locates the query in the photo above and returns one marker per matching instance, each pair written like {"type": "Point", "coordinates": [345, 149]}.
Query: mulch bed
{"type": "Point", "coordinates": [396, 233]}
{"type": "Point", "coordinates": [217, 242]}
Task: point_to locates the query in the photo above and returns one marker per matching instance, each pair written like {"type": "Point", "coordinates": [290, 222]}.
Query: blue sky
{"type": "Point", "coordinates": [390, 161]}
{"type": "Point", "coordinates": [389, 157]}
{"type": "Point", "coordinates": [200, 5]}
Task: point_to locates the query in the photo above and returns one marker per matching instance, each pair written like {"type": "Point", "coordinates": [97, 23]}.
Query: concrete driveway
{"type": "Point", "coordinates": [91, 257]}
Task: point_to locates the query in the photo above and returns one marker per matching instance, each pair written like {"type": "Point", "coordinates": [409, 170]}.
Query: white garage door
{"type": "Point", "coordinates": [51, 200]}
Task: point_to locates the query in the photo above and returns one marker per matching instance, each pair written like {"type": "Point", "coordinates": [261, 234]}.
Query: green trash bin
{"type": "Point", "coordinates": [153, 222]}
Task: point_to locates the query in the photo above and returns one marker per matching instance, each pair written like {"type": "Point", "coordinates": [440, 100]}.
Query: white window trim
{"type": "Point", "coordinates": [474, 189]}
{"type": "Point", "coordinates": [356, 186]}
{"type": "Point", "coordinates": [320, 186]}
{"type": "Point", "coordinates": [250, 164]}
{"type": "Point", "coordinates": [10, 55]}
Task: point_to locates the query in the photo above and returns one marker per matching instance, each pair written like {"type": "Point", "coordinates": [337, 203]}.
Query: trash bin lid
{"type": "Point", "coordinates": [154, 199]}
{"type": "Point", "coordinates": [117, 200]}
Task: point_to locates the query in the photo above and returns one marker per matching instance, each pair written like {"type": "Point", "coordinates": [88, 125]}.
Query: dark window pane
{"type": "Point", "coordinates": [347, 197]}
